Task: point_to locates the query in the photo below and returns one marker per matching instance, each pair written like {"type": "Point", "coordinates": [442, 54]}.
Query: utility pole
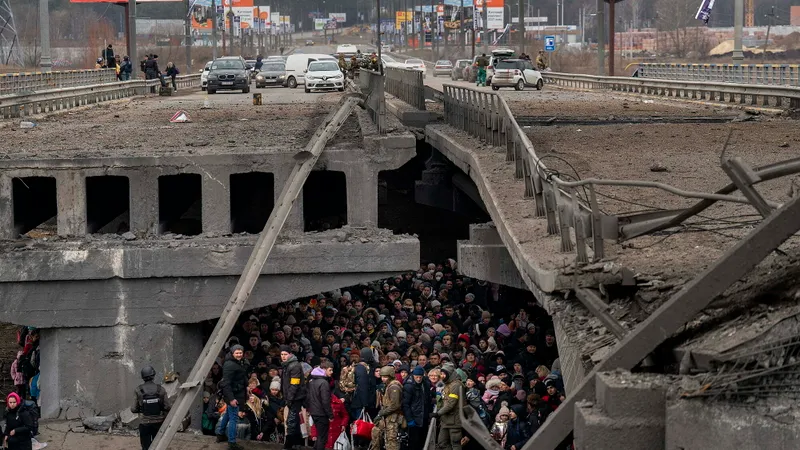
{"type": "Point", "coordinates": [461, 31]}
{"type": "Point", "coordinates": [230, 26]}
{"type": "Point", "coordinates": [521, 26]}
{"type": "Point", "coordinates": [601, 38]}
{"type": "Point", "coordinates": [772, 17]}
{"type": "Point", "coordinates": [738, 25]}
{"type": "Point", "coordinates": [45, 62]}
{"type": "Point", "coordinates": [213, 29]}
{"type": "Point", "coordinates": [434, 28]}
{"type": "Point", "coordinates": [188, 25]}
{"type": "Point", "coordinates": [485, 27]}
{"type": "Point", "coordinates": [132, 39]}
{"type": "Point", "coordinates": [611, 38]}
{"type": "Point", "coordinates": [378, 39]}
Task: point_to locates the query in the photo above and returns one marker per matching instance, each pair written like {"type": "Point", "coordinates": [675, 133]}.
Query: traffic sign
{"type": "Point", "coordinates": [550, 43]}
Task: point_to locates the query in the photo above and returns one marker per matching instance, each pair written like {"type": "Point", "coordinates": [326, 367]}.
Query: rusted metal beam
{"type": "Point", "coordinates": [682, 307]}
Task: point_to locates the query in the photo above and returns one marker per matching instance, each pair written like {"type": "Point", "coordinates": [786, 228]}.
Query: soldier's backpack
{"type": "Point", "coordinates": [347, 378]}
{"type": "Point", "coordinates": [33, 411]}
{"type": "Point", "coordinates": [151, 401]}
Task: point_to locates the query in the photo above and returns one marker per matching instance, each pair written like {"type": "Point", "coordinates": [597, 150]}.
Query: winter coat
{"type": "Point", "coordinates": [449, 413]}
{"type": "Point", "coordinates": [318, 401]}
{"type": "Point", "coordinates": [234, 380]}
{"type": "Point", "coordinates": [416, 398]}
{"type": "Point", "coordinates": [365, 395]}
{"type": "Point", "coordinates": [293, 383]}
{"type": "Point", "coordinates": [518, 431]}
{"type": "Point", "coordinates": [340, 420]}
{"type": "Point", "coordinates": [392, 403]}
{"type": "Point", "coordinates": [21, 422]}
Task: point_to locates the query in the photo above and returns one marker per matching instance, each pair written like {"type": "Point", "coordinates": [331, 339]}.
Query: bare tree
{"type": "Point", "coordinates": [675, 18]}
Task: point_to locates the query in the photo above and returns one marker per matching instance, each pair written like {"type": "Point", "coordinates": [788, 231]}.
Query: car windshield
{"type": "Point", "coordinates": [273, 68]}
{"type": "Point", "coordinates": [227, 64]}
{"type": "Point", "coordinates": [502, 65]}
{"type": "Point", "coordinates": [323, 66]}
{"type": "Point", "coordinates": [414, 61]}
{"type": "Point", "coordinates": [442, 63]}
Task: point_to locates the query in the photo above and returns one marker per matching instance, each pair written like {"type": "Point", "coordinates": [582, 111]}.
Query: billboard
{"type": "Point", "coordinates": [494, 14]}
{"type": "Point", "coordinates": [401, 18]}
{"type": "Point", "coordinates": [340, 18]}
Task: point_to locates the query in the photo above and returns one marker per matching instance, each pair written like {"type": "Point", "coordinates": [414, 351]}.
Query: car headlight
{"type": "Point", "coordinates": [339, 77]}
{"type": "Point", "coordinates": [259, 77]}
{"type": "Point", "coordinates": [280, 77]}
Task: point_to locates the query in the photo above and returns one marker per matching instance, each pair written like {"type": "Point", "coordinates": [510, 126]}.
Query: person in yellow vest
{"type": "Point", "coordinates": [448, 411]}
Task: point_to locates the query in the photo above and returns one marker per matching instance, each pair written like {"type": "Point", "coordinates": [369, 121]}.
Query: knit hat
{"type": "Point", "coordinates": [206, 394]}
{"type": "Point", "coordinates": [418, 371]}
{"type": "Point", "coordinates": [286, 348]}
{"type": "Point", "coordinates": [275, 383]}
{"type": "Point", "coordinates": [449, 368]}
{"type": "Point", "coordinates": [504, 411]}
{"type": "Point", "coordinates": [493, 384]}
{"type": "Point", "coordinates": [236, 347]}
{"type": "Point", "coordinates": [435, 303]}
{"type": "Point", "coordinates": [14, 396]}
{"type": "Point", "coordinates": [401, 334]}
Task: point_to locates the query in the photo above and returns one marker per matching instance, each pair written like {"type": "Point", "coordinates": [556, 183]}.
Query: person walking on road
{"type": "Point", "coordinates": [294, 388]}
{"type": "Point", "coordinates": [152, 403]}
{"type": "Point", "coordinates": [172, 72]}
{"type": "Point", "coordinates": [234, 391]}
{"type": "Point", "coordinates": [319, 402]}
{"type": "Point", "coordinates": [448, 411]}
{"type": "Point", "coordinates": [482, 63]}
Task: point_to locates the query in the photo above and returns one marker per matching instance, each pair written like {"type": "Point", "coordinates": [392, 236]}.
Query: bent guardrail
{"type": "Point", "coordinates": [761, 74]}
{"type": "Point", "coordinates": [371, 85]}
{"type": "Point", "coordinates": [13, 83]}
{"type": "Point", "coordinates": [406, 84]}
{"type": "Point", "coordinates": [51, 100]}
{"type": "Point", "coordinates": [743, 94]}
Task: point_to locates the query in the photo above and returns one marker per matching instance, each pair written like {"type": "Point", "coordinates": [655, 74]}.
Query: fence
{"type": "Point", "coordinates": [51, 100]}
{"type": "Point", "coordinates": [371, 85]}
{"type": "Point", "coordinates": [13, 83]}
{"type": "Point", "coordinates": [407, 85]}
{"type": "Point", "coordinates": [761, 74]}
{"type": "Point", "coordinates": [753, 94]}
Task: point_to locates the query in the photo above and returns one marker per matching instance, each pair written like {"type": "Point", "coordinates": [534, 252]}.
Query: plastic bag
{"type": "Point", "coordinates": [342, 443]}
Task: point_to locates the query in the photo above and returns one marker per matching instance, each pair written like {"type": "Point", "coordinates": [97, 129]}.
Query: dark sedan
{"type": "Point", "coordinates": [228, 73]}
{"type": "Point", "coordinates": [271, 74]}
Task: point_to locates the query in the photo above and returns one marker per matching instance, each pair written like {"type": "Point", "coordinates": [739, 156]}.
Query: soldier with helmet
{"type": "Point", "coordinates": [390, 418]}
{"type": "Point", "coordinates": [152, 404]}
{"type": "Point", "coordinates": [448, 411]}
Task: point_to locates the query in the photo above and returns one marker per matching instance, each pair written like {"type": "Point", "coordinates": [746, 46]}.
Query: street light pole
{"type": "Point", "coordinates": [230, 27]}
{"type": "Point", "coordinates": [213, 29]}
{"type": "Point", "coordinates": [132, 39]}
{"type": "Point", "coordinates": [738, 26]}
{"type": "Point", "coordinates": [45, 62]}
{"type": "Point", "coordinates": [378, 40]}
{"type": "Point", "coordinates": [485, 27]}
{"type": "Point", "coordinates": [188, 25]}
{"type": "Point", "coordinates": [521, 25]}
{"type": "Point", "coordinates": [461, 31]}
{"type": "Point", "coordinates": [601, 38]}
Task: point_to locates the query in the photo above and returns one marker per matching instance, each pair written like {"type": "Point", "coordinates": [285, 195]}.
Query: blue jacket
{"type": "Point", "coordinates": [518, 432]}
{"type": "Point", "coordinates": [416, 398]}
{"type": "Point", "coordinates": [365, 395]}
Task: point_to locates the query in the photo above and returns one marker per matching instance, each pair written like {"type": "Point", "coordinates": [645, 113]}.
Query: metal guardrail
{"type": "Point", "coordinates": [371, 85]}
{"type": "Point", "coordinates": [13, 83]}
{"type": "Point", "coordinates": [761, 74]}
{"type": "Point", "coordinates": [51, 100]}
{"type": "Point", "coordinates": [407, 85]}
{"type": "Point", "coordinates": [756, 95]}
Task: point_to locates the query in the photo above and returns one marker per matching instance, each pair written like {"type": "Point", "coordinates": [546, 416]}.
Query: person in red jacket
{"type": "Point", "coordinates": [340, 420]}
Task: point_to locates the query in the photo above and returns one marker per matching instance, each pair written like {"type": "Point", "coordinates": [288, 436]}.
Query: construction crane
{"type": "Point", "coordinates": [749, 13]}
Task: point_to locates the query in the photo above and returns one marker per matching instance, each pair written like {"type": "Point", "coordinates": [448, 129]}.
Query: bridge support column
{"type": "Point", "coordinates": [216, 203]}
{"type": "Point", "coordinates": [362, 195]}
{"type": "Point", "coordinates": [485, 257]}
{"type": "Point", "coordinates": [435, 188]}
{"type": "Point", "coordinates": [71, 194]}
{"type": "Point", "coordinates": [144, 203]}
{"type": "Point", "coordinates": [295, 221]}
{"type": "Point", "coordinates": [95, 370]}
{"type": "Point", "coordinates": [6, 209]}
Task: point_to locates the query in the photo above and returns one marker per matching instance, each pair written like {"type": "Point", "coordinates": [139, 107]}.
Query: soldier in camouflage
{"type": "Point", "coordinates": [448, 411]}
{"type": "Point", "coordinates": [390, 418]}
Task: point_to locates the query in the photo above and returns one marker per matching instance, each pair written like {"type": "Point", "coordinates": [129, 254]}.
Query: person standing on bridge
{"type": "Point", "coordinates": [482, 63]}
{"type": "Point", "coordinates": [152, 403]}
{"type": "Point", "coordinates": [294, 388]}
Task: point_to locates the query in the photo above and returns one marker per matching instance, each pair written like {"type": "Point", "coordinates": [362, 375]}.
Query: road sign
{"type": "Point", "coordinates": [549, 43]}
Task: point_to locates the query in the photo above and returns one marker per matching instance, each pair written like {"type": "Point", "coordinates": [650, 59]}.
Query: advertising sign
{"type": "Point", "coordinates": [340, 18]}
{"type": "Point", "coordinates": [201, 15]}
{"type": "Point", "coordinates": [123, 1]}
{"type": "Point", "coordinates": [494, 14]}
{"type": "Point", "coordinates": [319, 24]}
{"type": "Point", "coordinates": [401, 17]}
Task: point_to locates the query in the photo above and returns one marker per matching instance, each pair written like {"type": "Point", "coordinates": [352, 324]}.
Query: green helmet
{"type": "Point", "coordinates": [387, 371]}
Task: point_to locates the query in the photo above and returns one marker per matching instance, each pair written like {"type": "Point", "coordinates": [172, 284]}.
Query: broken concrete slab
{"type": "Point", "coordinates": [99, 423]}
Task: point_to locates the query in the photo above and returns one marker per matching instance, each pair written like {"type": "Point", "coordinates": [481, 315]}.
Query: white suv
{"type": "Point", "coordinates": [516, 73]}
{"type": "Point", "coordinates": [324, 75]}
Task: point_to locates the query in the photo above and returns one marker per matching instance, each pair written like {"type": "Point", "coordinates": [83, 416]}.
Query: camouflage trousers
{"type": "Point", "coordinates": [385, 431]}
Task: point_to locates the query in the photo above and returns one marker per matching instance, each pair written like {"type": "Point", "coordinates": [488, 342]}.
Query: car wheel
{"type": "Point", "coordinates": [520, 85]}
{"type": "Point", "coordinates": [539, 84]}
{"type": "Point", "coordinates": [246, 90]}
{"type": "Point", "coordinates": [308, 91]}
{"type": "Point", "coordinates": [292, 82]}
{"type": "Point", "coordinates": [495, 88]}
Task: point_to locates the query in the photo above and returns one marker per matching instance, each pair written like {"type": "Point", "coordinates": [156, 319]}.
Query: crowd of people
{"type": "Point", "coordinates": [397, 354]}
{"type": "Point", "coordinates": [22, 410]}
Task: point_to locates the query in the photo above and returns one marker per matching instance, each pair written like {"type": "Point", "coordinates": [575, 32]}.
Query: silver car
{"type": "Point", "coordinates": [442, 67]}
{"type": "Point", "coordinates": [272, 73]}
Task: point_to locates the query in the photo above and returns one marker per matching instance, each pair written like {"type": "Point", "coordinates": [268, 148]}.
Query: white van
{"type": "Point", "coordinates": [296, 66]}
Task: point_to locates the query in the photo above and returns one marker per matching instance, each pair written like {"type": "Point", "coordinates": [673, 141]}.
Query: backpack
{"type": "Point", "coordinates": [33, 411]}
{"type": "Point", "coordinates": [347, 378]}
{"type": "Point", "coordinates": [27, 364]}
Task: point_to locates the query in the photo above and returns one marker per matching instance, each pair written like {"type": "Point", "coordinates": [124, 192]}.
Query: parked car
{"type": "Point", "coordinates": [386, 48]}
{"type": "Point", "coordinates": [516, 73]}
{"type": "Point", "coordinates": [324, 75]}
{"type": "Point", "coordinates": [272, 74]}
{"type": "Point", "coordinates": [417, 64]}
{"type": "Point", "coordinates": [309, 43]}
{"type": "Point", "coordinates": [457, 72]}
{"type": "Point", "coordinates": [346, 49]}
{"type": "Point", "coordinates": [442, 67]}
{"type": "Point", "coordinates": [228, 73]}
{"type": "Point", "coordinates": [204, 75]}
